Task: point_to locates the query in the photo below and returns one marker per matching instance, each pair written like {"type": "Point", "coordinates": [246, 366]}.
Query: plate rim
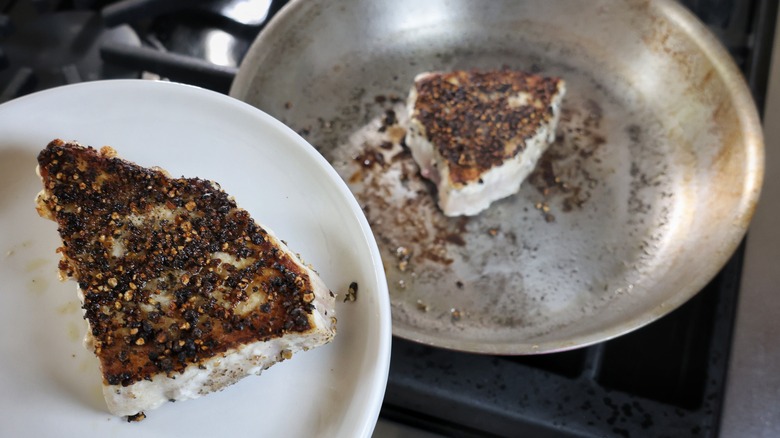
{"type": "Point", "coordinates": [379, 371]}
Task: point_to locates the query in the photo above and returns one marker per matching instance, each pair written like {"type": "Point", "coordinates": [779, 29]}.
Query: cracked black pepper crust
{"type": "Point", "coordinates": [468, 117]}
{"type": "Point", "coordinates": [142, 245]}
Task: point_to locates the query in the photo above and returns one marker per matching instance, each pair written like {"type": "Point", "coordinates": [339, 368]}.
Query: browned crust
{"type": "Point", "coordinates": [470, 122]}
{"type": "Point", "coordinates": [93, 196]}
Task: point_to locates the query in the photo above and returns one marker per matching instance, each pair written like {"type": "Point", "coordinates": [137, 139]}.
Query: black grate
{"type": "Point", "coordinates": [666, 379]}
{"type": "Point", "coordinates": [198, 42]}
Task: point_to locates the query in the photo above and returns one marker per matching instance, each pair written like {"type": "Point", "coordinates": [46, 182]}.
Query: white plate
{"type": "Point", "coordinates": [50, 385]}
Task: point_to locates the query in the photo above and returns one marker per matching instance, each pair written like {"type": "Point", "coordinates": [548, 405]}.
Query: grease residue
{"type": "Point", "coordinates": [74, 334]}
{"type": "Point", "coordinates": [68, 308]}
{"type": "Point", "coordinates": [35, 264]}
{"type": "Point", "coordinates": [38, 285]}
{"type": "Point", "coordinates": [16, 248]}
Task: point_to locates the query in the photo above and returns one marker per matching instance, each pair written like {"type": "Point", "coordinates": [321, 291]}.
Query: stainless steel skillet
{"type": "Point", "coordinates": [644, 196]}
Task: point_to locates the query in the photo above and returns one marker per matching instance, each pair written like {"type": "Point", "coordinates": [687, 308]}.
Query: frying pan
{"type": "Point", "coordinates": [643, 197]}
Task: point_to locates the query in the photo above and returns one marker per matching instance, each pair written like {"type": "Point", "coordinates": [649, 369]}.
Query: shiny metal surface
{"type": "Point", "coordinates": [660, 149]}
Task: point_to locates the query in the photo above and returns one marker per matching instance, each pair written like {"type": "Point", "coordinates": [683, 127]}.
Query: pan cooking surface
{"type": "Point", "coordinates": [593, 214]}
{"type": "Point", "coordinates": [575, 257]}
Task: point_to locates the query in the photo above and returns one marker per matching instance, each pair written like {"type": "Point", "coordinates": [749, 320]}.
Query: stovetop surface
{"type": "Point", "coordinates": [666, 379]}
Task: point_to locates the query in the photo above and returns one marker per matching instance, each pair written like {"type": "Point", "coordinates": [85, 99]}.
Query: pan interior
{"type": "Point", "coordinates": [584, 245]}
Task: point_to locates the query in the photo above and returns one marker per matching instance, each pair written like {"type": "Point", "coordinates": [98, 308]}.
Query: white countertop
{"type": "Point", "coordinates": [752, 405]}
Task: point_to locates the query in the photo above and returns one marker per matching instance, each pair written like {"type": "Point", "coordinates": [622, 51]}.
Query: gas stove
{"type": "Point", "coordinates": [50, 43]}
{"type": "Point", "coordinates": [666, 379]}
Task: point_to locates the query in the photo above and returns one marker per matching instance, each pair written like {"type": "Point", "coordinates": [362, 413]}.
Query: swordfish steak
{"type": "Point", "coordinates": [478, 134]}
{"type": "Point", "coordinates": [184, 293]}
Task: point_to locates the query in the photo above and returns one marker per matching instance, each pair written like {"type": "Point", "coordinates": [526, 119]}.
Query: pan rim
{"type": "Point", "coordinates": [744, 106]}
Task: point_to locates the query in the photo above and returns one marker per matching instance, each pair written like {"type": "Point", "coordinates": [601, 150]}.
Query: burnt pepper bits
{"type": "Point", "coordinates": [172, 271]}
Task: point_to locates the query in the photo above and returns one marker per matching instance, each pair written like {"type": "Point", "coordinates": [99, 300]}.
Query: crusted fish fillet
{"type": "Point", "coordinates": [477, 135]}
{"type": "Point", "coordinates": [183, 292]}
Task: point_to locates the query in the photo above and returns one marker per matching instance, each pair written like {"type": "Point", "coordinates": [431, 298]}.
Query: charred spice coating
{"type": "Point", "coordinates": [477, 120]}
{"type": "Point", "coordinates": [352, 291]}
{"type": "Point", "coordinates": [136, 418]}
{"type": "Point", "coordinates": [172, 271]}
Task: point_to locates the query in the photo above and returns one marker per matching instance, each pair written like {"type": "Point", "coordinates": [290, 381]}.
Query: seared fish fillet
{"type": "Point", "coordinates": [183, 292]}
{"type": "Point", "coordinates": [477, 135]}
